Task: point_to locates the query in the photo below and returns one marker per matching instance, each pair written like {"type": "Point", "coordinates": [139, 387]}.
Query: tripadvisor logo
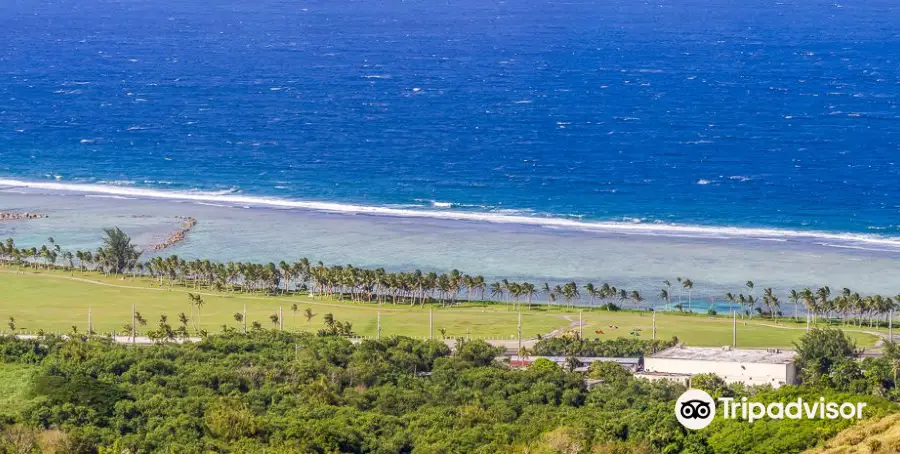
{"type": "Point", "coordinates": [695, 409]}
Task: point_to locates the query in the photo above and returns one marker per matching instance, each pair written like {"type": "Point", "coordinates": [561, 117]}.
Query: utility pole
{"type": "Point", "coordinates": [580, 325]}
{"type": "Point", "coordinates": [245, 318]}
{"type": "Point", "coordinates": [90, 325]}
{"type": "Point", "coordinates": [431, 323]}
{"type": "Point", "coordinates": [133, 331]}
{"type": "Point", "coordinates": [891, 325]}
{"type": "Point", "coordinates": [519, 333]}
{"type": "Point", "coordinates": [378, 333]}
{"type": "Point", "coordinates": [654, 324]}
{"type": "Point", "coordinates": [280, 319]}
{"type": "Point", "coordinates": [733, 329]}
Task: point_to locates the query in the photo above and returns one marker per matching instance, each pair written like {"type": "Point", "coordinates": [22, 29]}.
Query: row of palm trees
{"type": "Point", "coordinates": [119, 256]}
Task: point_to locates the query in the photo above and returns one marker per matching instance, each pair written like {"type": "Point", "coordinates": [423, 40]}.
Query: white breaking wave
{"type": "Point", "coordinates": [844, 240]}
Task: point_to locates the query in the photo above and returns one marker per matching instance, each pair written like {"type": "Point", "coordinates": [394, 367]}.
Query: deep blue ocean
{"type": "Point", "coordinates": [710, 112]}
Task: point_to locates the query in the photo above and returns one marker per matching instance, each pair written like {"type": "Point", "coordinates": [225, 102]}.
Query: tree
{"type": "Point", "coordinates": [712, 384]}
{"type": "Point", "coordinates": [689, 285]}
{"type": "Point", "coordinates": [197, 300]}
{"type": "Point", "coordinates": [544, 364]}
{"type": "Point", "coordinates": [609, 371]}
{"type": "Point", "coordinates": [668, 294]}
{"type": "Point", "coordinates": [308, 313]}
{"type": "Point", "coordinates": [636, 298]}
{"type": "Point", "coordinates": [477, 352]}
{"type": "Point", "coordinates": [795, 297]}
{"type": "Point", "coordinates": [591, 292]}
{"type": "Point", "coordinates": [118, 251]}
{"type": "Point", "coordinates": [529, 291]}
{"type": "Point", "coordinates": [819, 350]}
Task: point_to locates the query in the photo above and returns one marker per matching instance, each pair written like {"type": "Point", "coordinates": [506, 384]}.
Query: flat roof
{"type": "Point", "coordinates": [662, 374]}
{"type": "Point", "coordinates": [583, 359]}
{"type": "Point", "coordinates": [726, 354]}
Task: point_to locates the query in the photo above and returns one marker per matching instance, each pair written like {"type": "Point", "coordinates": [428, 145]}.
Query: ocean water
{"type": "Point", "coordinates": [644, 138]}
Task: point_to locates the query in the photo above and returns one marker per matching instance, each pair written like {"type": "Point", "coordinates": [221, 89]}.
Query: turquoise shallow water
{"type": "Point", "coordinates": [624, 258]}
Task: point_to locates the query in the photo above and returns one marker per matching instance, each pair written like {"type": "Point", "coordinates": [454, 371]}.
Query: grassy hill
{"type": "Point", "coordinates": [880, 436]}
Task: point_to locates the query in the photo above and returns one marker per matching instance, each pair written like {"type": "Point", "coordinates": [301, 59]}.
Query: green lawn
{"type": "Point", "coordinates": [15, 381]}
{"type": "Point", "coordinates": [54, 301]}
{"type": "Point", "coordinates": [704, 330]}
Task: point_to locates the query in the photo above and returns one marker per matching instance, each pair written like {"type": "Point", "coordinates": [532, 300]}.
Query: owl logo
{"type": "Point", "coordinates": [695, 409]}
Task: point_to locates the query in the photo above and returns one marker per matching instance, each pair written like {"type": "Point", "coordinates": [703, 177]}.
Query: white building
{"type": "Point", "coordinates": [751, 367]}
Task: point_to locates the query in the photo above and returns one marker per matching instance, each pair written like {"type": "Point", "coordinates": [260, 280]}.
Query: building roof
{"type": "Point", "coordinates": [662, 374]}
{"type": "Point", "coordinates": [727, 354]}
{"type": "Point", "coordinates": [581, 359]}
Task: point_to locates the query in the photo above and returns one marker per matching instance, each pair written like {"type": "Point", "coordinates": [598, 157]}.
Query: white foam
{"type": "Point", "coordinates": [845, 240]}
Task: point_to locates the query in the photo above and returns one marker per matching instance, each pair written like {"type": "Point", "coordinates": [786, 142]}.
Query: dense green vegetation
{"type": "Point", "coordinates": [275, 392]}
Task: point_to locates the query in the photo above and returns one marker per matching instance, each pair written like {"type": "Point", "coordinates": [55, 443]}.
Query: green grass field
{"type": "Point", "coordinates": [54, 301]}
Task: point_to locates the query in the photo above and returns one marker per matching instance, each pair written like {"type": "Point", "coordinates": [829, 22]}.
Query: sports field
{"type": "Point", "coordinates": [55, 301]}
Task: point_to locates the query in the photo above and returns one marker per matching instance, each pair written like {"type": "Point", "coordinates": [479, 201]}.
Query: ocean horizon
{"type": "Point", "coordinates": [586, 140]}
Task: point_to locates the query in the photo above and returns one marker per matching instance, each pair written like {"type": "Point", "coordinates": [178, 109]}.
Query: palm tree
{"type": "Point", "coordinates": [496, 290]}
{"type": "Point", "coordinates": [664, 294]}
{"type": "Point", "coordinates": [529, 291]}
{"type": "Point", "coordinates": [591, 291]}
{"type": "Point", "coordinates": [553, 295]}
{"type": "Point", "coordinates": [771, 302]}
{"type": "Point", "coordinates": [689, 285]}
{"type": "Point", "coordinates": [570, 293]}
{"type": "Point", "coordinates": [197, 300]}
{"type": "Point", "coordinates": [294, 309]}
{"type": "Point", "coordinates": [668, 293]}
{"type": "Point", "coordinates": [794, 297]}
{"type": "Point", "coordinates": [308, 313]}
{"type": "Point", "coordinates": [636, 297]}
{"type": "Point", "coordinates": [731, 300]}
{"type": "Point", "coordinates": [479, 284]}
{"type": "Point", "coordinates": [822, 295]}
{"type": "Point", "coordinates": [809, 300]}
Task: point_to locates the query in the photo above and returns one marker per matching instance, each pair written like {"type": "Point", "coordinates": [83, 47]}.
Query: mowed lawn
{"type": "Point", "coordinates": [704, 330]}
{"type": "Point", "coordinates": [56, 301]}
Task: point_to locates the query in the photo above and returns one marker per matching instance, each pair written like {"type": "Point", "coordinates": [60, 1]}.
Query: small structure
{"type": "Point", "coordinates": [748, 366]}
{"type": "Point", "coordinates": [630, 364]}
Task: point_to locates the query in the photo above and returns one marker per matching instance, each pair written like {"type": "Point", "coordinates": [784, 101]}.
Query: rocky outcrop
{"type": "Point", "coordinates": [178, 235]}
{"type": "Point", "coordinates": [12, 216]}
